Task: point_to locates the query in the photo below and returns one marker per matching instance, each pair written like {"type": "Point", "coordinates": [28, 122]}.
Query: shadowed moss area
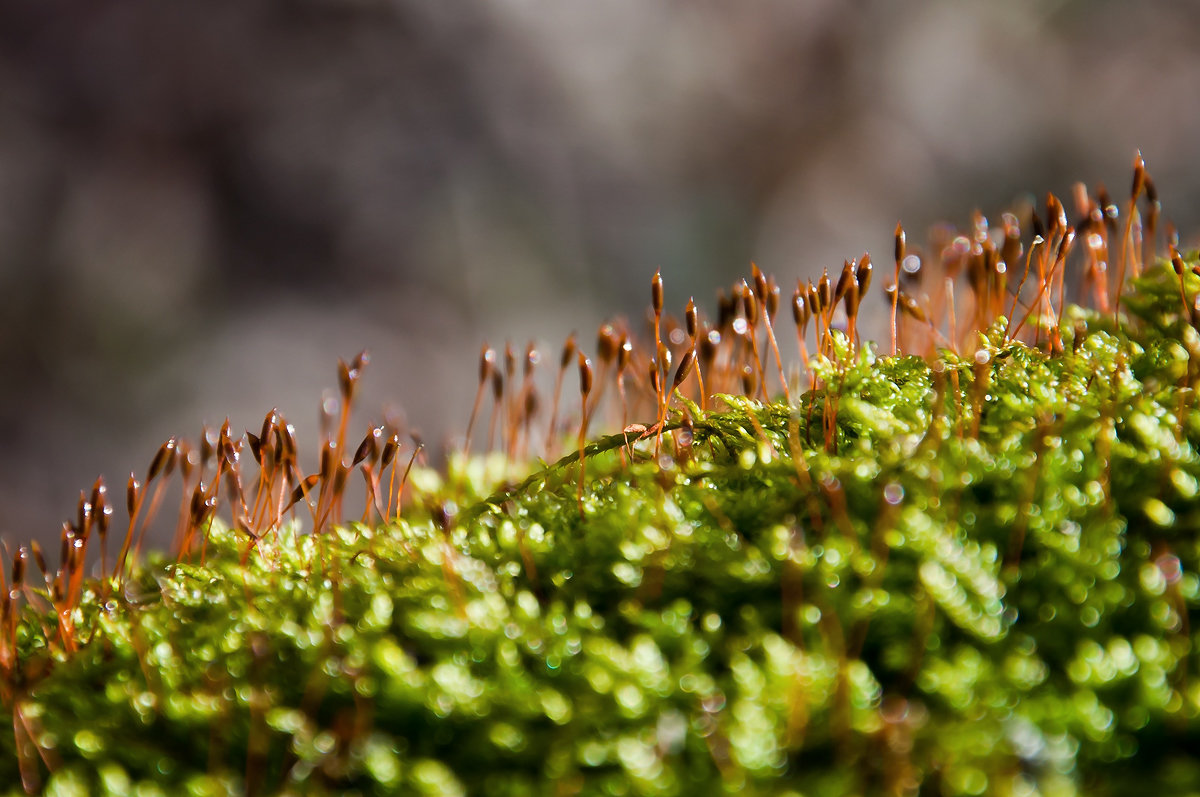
{"type": "Point", "coordinates": [958, 577]}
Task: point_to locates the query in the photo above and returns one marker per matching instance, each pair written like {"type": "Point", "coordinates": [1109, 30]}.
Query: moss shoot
{"type": "Point", "coordinates": [960, 561]}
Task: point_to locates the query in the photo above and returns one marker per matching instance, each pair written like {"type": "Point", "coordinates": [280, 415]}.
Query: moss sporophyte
{"type": "Point", "coordinates": [962, 560]}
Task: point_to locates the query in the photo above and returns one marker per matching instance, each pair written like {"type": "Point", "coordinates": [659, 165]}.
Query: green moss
{"type": "Point", "coordinates": [987, 584]}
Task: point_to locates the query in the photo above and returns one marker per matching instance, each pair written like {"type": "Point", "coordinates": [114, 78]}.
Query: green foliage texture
{"type": "Point", "coordinates": [988, 585]}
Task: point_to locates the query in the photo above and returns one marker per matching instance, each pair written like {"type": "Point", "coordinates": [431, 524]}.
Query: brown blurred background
{"type": "Point", "coordinates": [204, 204]}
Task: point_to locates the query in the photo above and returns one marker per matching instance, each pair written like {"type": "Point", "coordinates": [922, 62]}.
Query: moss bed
{"type": "Point", "coordinates": [934, 575]}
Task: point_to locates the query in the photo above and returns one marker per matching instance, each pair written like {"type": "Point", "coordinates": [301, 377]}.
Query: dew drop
{"type": "Point", "coordinates": [1171, 569]}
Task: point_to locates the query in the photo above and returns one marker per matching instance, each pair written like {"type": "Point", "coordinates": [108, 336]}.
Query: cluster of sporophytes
{"type": "Point", "coordinates": [960, 561]}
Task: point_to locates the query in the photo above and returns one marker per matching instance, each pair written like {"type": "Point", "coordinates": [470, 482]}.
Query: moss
{"type": "Point", "coordinates": [950, 575]}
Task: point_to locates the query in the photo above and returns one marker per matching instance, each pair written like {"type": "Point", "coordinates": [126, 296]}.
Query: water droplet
{"type": "Point", "coordinates": [1169, 565]}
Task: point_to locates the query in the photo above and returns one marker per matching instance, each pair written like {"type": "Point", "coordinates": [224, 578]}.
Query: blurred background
{"type": "Point", "coordinates": [204, 204]}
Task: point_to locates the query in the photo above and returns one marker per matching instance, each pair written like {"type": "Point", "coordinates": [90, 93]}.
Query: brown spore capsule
{"type": "Point", "coordinates": [624, 353]}
{"type": "Point", "coordinates": [287, 436]}
{"type": "Point", "coordinates": [1181, 269]}
{"type": "Point", "coordinates": [772, 298]}
{"type": "Point", "coordinates": [606, 343]}
{"type": "Point", "coordinates": [709, 342]}
{"type": "Point", "coordinates": [664, 357]}
{"type": "Point", "coordinates": [1107, 206]}
{"type": "Point", "coordinates": [66, 540]}
{"type": "Point", "coordinates": [685, 367]}
{"type": "Point", "coordinates": [228, 450]}
{"type": "Point", "coordinates": [906, 303]}
{"type": "Point", "coordinates": [40, 558]}
{"type": "Point", "coordinates": [568, 352]}
{"type": "Point", "coordinates": [487, 362]}
{"type": "Point", "coordinates": [1010, 251]}
{"type": "Point", "coordinates": [585, 388]}
{"type": "Point", "coordinates": [844, 280]}
{"type": "Point", "coordinates": [389, 450]}
{"type": "Point", "coordinates": [851, 299]}
{"type": "Point", "coordinates": [208, 444]}
{"type": "Point", "coordinates": [256, 449]}
{"type": "Point", "coordinates": [328, 458]}
{"type": "Point", "coordinates": [1082, 201]}
{"type": "Point", "coordinates": [979, 223]}
{"type": "Point", "coordinates": [1139, 175]}
{"type": "Point", "coordinates": [345, 382]}
{"type": "Point", "coordinates": [510, 361]}
{"type": "Point", "coordinates": [132, 490]}
{"type": "Point", "coordinates": [349, 374]}
{"type": "Point", "coordinates": [1039, 229]}
{"type": "Point", "coordinates": [760, 283]}
{"type": "Point", "coordinates": [99, 501]}
{"type": "Point", "coordinates": [749, 303]}
{"type": "Point", "coordinates": [749, 381]}
{"type": "Point", "coordinates": [532, 404]}
{"type": "Point", "coordinates": [368, 449]}
{"type": "Point", "coordinates": [862, 275]}
{"type": "Point", "coordinates": [83, 513]}
{"type": "Point", "coordinates": [270, 421]}
{"type": "Point", "coordinates": [443, 513]}
{"type": "Point", "coordinates": [813, 299]}
{"type": "Point", "coordinates": [302, 490]}
{"type": "Point", "coordinates": [800, 307]}
{"type": "Point", "coordinates": [1056, 214]}
{"type": "Point", "coordinates": [585, 374]}
{"type": "Point", "coordinates": [977, 270]}
{"type": "Point", "coordinates": [1064, 245]}
{"type": "Point", "coordinates": [18, 567]}
{"type": "Point", "coordinates": [726, 310]}
{"type": "Point", "coordinates": [187, 459]}
{"type": "Point", "coordinates": [164, 459]}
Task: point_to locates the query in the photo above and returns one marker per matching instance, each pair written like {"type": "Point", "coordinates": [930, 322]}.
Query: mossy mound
{"type": "Point", "coordinates": [982, 580]}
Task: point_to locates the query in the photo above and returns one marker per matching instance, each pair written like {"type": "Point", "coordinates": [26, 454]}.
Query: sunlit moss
{"type": "Point", "coordinates": [981, 578]}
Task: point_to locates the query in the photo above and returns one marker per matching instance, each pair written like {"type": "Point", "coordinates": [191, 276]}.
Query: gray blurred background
{"type": "Point", "coordinates": [204, 204]}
